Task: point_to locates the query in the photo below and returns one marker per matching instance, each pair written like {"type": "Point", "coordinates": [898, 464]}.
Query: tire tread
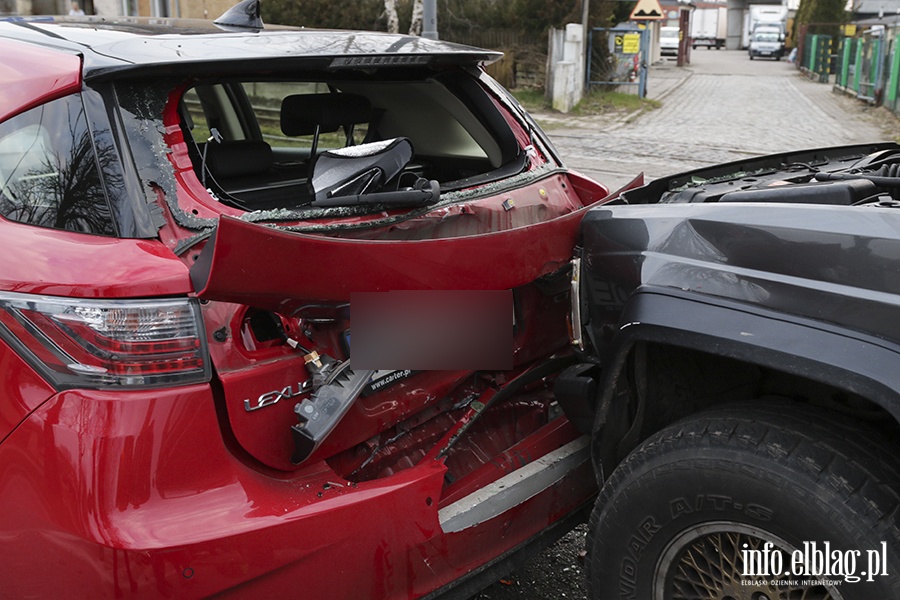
{"type": "Point", "coordinates": [847, 458]}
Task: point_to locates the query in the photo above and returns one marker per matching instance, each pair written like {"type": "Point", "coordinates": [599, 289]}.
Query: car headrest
{"type": "Point", "coordinates": [301, 113]}
{"type": "Point", "coordinates": [238, 158]}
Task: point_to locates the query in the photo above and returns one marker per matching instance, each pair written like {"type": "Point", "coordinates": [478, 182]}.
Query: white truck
{"type": "Point", "coordinates": [764, 15]}
{"type": "Point", "coordinates": [766, 42]}
{"type": "Point", "coordinates": [709, 26]}
{"type": "Point", "coordinates": [668, 41]}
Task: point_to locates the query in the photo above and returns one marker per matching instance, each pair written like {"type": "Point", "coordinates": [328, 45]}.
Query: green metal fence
{"type": "Point", "coordinates": [820, 62]}
{"type": "Point", "coordinates": [845, 67]}
{"type": "Point", "coordinates": [816, 59]}
{"type": "Point", "coordinates": [867, 66]}
{"type": "Point", "coordinates": [893, 79]}
{"type": "Point", "coordinates": [871, 57]}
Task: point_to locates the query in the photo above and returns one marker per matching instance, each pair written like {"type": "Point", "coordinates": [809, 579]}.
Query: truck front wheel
{"type": "Point", "coordinates": [749, 502]}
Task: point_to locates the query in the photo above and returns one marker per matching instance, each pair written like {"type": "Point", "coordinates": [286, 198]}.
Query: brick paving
{"type": "Point", "coordinates": [722, 107]}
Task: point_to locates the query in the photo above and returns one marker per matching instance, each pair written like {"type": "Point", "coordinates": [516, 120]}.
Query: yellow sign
{"type": "Point", "coordinates": [631, 44]}
{"type": "Point", "coordinates": [849, 29]}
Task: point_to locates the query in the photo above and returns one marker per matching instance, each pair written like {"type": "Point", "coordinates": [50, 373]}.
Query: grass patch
{"type": "Point", "coordinates": [594, 103]}
{"type": "Point", "coordinates": [530, 98]}
{"type": "Point", "coordinates": [598, 103]}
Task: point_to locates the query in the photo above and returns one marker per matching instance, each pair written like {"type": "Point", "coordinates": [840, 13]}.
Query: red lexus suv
{"type": "Point", "coordinates": [188, 211]}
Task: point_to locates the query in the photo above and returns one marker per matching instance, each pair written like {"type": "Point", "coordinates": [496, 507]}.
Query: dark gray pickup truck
{"type": "Point", "coordinates": [740, 334]}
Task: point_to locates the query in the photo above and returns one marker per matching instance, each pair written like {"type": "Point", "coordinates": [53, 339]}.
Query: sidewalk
{"type": "Point", "coordinates": [664, 77]}
{"type": "Point", "coordinates": [722, 108]}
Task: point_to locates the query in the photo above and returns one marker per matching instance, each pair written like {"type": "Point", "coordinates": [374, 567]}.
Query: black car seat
{"type": "Point", "coordinates": [315, 114]}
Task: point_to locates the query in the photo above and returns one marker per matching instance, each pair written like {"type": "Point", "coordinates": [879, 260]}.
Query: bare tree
{"type": "Point", "coordinates": [418, 12]}
{"type": "Point", "coordinates": [393, 21]}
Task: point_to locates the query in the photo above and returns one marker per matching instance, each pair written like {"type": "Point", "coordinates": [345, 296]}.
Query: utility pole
{"type": "Point", "coordinates": [429, 18]}
{"type": "Point", "coordinates": [585, 40]}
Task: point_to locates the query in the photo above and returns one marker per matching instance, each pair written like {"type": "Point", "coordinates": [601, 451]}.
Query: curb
{"type": "Point", "coordinates": [676, 85]}
{"type": "Point", "coordinates": [626, 119]}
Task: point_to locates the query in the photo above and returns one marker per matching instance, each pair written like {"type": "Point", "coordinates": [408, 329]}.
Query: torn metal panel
{"type": "Point", "coordinates": [141, 110]}
{"type": "Point", "coordinates": [268, 268]}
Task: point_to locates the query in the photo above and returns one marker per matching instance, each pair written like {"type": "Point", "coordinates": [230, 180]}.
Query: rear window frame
{"type": "Point", "coordinates": [75, 111]}
{"type": "Point", "coordinates": [462, 86]}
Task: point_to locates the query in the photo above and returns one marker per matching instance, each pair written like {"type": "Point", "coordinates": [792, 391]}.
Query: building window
{"type": "Point", "coordinates": [161, 8]}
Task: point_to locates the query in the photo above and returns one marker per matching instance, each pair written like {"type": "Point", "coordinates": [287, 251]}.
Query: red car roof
{"type": "Point", "coordinates": [31, 75]}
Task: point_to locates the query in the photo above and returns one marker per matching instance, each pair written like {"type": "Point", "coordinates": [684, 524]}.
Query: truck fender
{"type": "Point", "coordinates": [845, 359]}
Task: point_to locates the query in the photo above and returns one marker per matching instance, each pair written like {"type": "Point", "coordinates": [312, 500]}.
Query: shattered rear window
{"type": "Point", "coordinates": [255, 143]}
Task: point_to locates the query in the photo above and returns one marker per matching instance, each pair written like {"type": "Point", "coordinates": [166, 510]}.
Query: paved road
{"type": "Point", "coordinates": [722, 107]}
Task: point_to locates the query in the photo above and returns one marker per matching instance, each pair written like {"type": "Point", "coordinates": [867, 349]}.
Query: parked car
{"type": "Point", "coordinates": [766, 42]}
{"type": "Point", "coordinates": [187, 211]}
{"type": "Point", "coordinates": [668, 40]}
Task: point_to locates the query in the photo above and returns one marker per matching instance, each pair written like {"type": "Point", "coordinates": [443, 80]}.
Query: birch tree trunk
{"type": "Point", "coordinates": [418, 12]}
{"type": "Point", "coordinates": [393, 21]}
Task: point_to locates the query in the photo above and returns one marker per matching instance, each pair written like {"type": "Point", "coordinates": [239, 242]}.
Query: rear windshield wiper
{"type": "Point", "coordinates": [428, 192]}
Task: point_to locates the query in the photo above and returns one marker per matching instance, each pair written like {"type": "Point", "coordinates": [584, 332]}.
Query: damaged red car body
{"type": "Point", "coordinates": [186, 213]}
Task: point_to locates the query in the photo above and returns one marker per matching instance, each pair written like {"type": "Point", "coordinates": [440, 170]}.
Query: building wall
{"type": "Point", "coordinates": [49, 7]}
{"type": "Point", "coordinates": [108, 8]}
{"type": "Point", "coordinates": [187, 9]}
{"type": "Point", "coordinates": [204, 9]}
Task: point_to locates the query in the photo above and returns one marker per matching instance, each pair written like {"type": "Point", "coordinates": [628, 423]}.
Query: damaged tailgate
{"type": "Point", "coordinates": [280, 270]}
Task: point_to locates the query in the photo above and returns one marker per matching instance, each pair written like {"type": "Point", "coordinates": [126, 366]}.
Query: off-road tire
{"type": "Point", "coordinates": [680, 508]}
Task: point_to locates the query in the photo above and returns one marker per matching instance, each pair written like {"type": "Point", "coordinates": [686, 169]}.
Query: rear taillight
{"type": "Point", "coordinates": [98, 343]}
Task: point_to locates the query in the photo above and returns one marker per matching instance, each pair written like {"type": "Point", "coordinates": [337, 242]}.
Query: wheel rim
{"type": "Point", "coordinates": [705, 563]}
